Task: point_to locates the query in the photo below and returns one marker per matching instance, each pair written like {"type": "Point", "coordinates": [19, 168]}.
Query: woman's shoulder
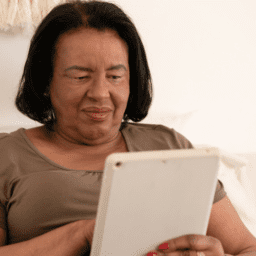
{"type": "Point", "coordinates": [143, 127]}
{"type": "Point", "coordinates": [156, 135]}
{"type": "Point", "coordinates": [8, 136]}
{"type": "Point", "coordinates": [11, 142]}
{"type": "Point", "coordinates": [3, 135]}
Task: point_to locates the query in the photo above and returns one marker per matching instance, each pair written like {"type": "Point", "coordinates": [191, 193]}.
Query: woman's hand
{"type": "Point", "coordinates": [190, 245]}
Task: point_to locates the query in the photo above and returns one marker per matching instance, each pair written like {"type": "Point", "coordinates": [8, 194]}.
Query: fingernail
{"type": "Point", "coordinates": [151, 254]}
{"type": "Point", "coordinates": [163, 246]}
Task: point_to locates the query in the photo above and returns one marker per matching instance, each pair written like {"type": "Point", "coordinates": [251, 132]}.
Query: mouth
{"type": "Point", "coordinates": [98, 110]}
{"type": "Point", "coordinates": [97, 116]}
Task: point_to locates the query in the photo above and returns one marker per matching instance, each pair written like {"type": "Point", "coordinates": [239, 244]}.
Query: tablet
{"type": "Point", "coordinates": [149, 197]}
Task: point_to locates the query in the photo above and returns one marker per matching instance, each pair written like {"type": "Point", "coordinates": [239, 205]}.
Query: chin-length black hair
{"type": "Point", "coordinates": [31, 99]}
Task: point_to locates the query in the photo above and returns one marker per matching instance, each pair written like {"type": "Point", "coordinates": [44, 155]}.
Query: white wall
{"type": "Point", "coordinates": [202, 57]}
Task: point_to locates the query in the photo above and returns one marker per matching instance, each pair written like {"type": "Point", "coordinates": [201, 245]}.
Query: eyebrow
{"type": "Point", "coordinates": [117, 67]}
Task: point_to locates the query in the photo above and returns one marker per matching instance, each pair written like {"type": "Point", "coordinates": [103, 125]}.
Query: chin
{"type": "Point", "coordinates": [98, 130]}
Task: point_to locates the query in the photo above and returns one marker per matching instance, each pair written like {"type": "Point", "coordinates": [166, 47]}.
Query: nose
{"type": "Point", "coordinates": [98, 88]}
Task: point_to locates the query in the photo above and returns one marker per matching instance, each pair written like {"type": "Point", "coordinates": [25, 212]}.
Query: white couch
{"type": "Point", "coordinates": [233, 175]}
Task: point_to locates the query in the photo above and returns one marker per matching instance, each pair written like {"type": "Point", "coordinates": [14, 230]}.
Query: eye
{"type": "Point", "coordinates": [116, 77]}
{"type": "Point", "coordinates": [86, 77]}
{"type": "Point", "coordinates": [82, 77]}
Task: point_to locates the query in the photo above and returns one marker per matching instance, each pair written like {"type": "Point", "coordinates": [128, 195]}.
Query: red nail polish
{"type": "Point", "coordinates": [163, 246]}
{"type": "Point", "coordinates": [151, 254]}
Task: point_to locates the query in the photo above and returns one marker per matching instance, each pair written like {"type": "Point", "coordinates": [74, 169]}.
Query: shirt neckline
{"type": "Point", "coordinates": [22, 132]}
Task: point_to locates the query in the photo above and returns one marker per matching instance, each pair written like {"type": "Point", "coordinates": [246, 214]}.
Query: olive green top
{"type": "Point", "coordinates": [38, 195]}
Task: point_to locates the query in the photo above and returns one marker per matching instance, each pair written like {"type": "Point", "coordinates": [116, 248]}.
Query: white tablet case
{"type": "Point", "coordinates": [153, 196]}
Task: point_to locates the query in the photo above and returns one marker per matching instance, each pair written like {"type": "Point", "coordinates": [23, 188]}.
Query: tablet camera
{"type": "Point", "coordinates": [118, 164]}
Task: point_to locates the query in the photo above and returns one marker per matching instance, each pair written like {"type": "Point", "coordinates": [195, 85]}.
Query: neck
{"type": "Point", "coordinates": [67, 144]}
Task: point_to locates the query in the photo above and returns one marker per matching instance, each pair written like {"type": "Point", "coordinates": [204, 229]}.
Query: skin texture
{"type": "Point", "coordinates": [74, 90]}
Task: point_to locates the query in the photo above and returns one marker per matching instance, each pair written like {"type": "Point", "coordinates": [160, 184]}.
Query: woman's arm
{"type": "Point", "coordinates": [226, 226]}
{"type": "Point", "coordinates": [68, 240]}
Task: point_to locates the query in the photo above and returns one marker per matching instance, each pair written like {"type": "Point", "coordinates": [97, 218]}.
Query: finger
{"type": "Point", "coordinates": [182, 253]}
{"type": "Point", "coordinates": [176, 253]}
{"type": "Point", "coordinates": [191, 242]}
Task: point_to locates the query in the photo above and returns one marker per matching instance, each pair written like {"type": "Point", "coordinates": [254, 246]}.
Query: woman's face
{"type": "Point", "coordinates": [90, 86]}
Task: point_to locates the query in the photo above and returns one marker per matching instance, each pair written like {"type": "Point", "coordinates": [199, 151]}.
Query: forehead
{"type": "Point", "coordinates": [92, 42]}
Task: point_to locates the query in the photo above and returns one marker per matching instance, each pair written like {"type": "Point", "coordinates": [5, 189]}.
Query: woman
{"type": "Point", "coordinates": [87, 71]}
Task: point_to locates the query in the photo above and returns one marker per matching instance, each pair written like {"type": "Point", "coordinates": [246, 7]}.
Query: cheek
{"type": "Point", "coordinates": [64, 98]}
{"type": "Point", "coordinates": [123, 96]}
{"type": "Point", "coordinates": [124, 92]}
{"type": "Point", "coordinates": [127, 96]}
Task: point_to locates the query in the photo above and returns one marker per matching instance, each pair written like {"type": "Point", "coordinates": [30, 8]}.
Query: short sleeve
{"type": "Point", "coordinates": [174, 139]}
{"type": "Point", "coordinates": [184, 143]}
{"type": "Point", "coordinates": [220, 193]}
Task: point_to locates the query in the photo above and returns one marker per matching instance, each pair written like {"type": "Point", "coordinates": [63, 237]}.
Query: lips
{"type": "Point", "coordinates": [98, 109]}
{"type": "Point", "coordinates": [97, 116]}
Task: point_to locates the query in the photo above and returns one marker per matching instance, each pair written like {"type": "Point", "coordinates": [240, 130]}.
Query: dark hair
{"type": "Point", "coordinates": [71, 17]}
